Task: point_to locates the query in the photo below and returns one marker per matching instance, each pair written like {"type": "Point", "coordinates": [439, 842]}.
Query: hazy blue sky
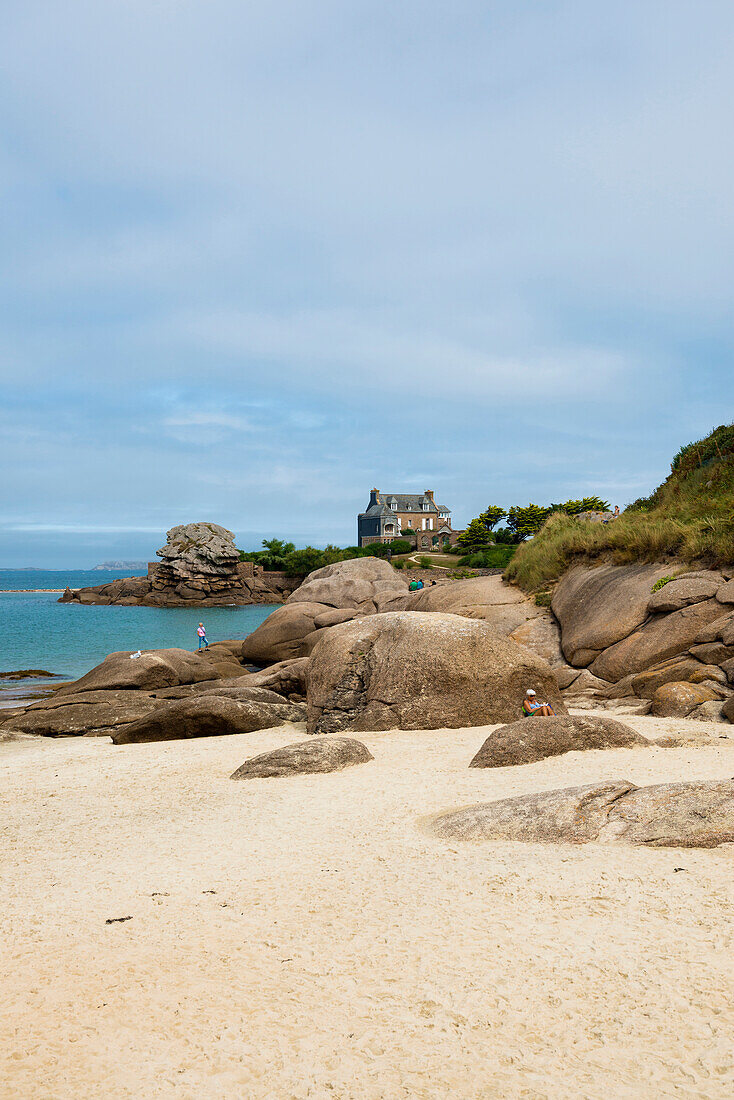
{"type": "Point", "coordinates": [262, 256]}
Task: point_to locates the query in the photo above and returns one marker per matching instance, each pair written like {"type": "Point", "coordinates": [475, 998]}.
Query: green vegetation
{"type": "Point", "coordinates": [661, 583]}
{"type": "Point", "coordinates": [425, 562]}
{"type": "Point", "coordinates": [689, 517]}
{"type": "Point", "coordinates": [282, 557]}
{"type": "Point", "coordinates": [494, 557]}
{"type": "Point", "coordinates": [523, 521]}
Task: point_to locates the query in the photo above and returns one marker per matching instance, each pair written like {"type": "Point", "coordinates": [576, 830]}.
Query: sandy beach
{"type": "Point", "coordinates": [303, 938]}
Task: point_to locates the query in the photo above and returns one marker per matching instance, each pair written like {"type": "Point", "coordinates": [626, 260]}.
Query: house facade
{"type": "Point", "coordinates": [395, 515]}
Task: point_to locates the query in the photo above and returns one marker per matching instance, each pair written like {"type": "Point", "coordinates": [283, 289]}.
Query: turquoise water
{"type": "Point", "coordinates": [68, 639]}
{"type": "Point", "coordinates": [60, 578]}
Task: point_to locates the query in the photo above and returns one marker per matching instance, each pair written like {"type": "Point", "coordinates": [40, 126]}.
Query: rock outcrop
{"type": "Point", "coordinates": [531, 739]}
{"type": "Point", "coordinates": [633, 640]}
{"type": "Point", "coordinates": [318, 754]}
{"type": "Point", "coordinates": [677, 815]}
{"type": "Point", "coordinates": [660, 637]}
{"type": "Point", "coordinates": [597, 607]}
{"type": "Point", "coordinates": [411, 670]}
{"type": "Point", "coordinates": [488, 598]}
{"type": "Point", "coordinates": [200, 567]}
{"type": "Point", "coordinates": [337, 593]}
{"type": "Point", "coordinates": [88, 712]}
{"type": "Point", "coordinates": [209, 715]}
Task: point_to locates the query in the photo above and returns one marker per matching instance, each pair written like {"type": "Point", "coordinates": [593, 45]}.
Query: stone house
{"type": "Point", "coordinates": [390, 515]}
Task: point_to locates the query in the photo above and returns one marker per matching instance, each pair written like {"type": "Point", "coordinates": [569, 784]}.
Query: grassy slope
{"type": "Point", "coordinates": [690, 517]}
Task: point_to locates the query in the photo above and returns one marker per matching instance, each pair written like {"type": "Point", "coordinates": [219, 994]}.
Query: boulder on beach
{"type": "Point", "coordinates": [207, 716]}
{"type": "Point", "coordinates": [531, 739]}
{"type": "Point", "coordinates": [281, 636]}
{"type": "Point", "coordinates": [678, 699]}
{"type": "Point", "coordinates": [318, 754]}
{"type": "Point", "coordinates": [155, 668]}
{"type": "Point", "coordinates": [409, 670]}
{"type": "Point", "coordinates": [670, 815]}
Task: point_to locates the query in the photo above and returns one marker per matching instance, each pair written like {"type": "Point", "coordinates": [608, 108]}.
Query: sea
{"type": "Point", "coordinates": [67, 639]}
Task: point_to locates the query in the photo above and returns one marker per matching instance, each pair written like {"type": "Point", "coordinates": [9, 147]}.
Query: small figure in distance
{"type": "Point", "coordinates": [615, 513]}
{"type": "Point", "coordinates": [201, 631]}
{"type": "Point", "coordinates": [532, 707]}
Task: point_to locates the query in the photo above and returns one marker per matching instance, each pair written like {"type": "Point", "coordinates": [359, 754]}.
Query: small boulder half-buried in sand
{"type": "Point", "coordinates": [531, 739]}
{"type": "Point", "coordinates": [318, 754]}
{"type": "Point", "coordinates": [667, 815]}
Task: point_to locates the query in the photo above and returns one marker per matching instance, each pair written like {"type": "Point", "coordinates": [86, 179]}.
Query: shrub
{"type": "Point", "coordinates": [494, 557]}
{"type": "Point", "coordinates": [543, 599]}
{"type": "Point", "coordinates": [424, 562]}
{"type": "Point", "coordinates": [661, 583]}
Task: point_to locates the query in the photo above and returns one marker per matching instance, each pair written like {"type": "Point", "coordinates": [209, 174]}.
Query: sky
{"type": "Point", "coordinates": [260, 257]}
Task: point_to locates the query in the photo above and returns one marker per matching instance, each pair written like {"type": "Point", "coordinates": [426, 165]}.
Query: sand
{"type": "Point", "coordinates": [303, 938]}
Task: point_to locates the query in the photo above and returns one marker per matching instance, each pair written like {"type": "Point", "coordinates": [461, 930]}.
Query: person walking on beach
{"type": "Point", "coordinates": [201, 631]}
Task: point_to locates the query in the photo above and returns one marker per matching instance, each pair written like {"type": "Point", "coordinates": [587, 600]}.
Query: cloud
{"type": "Point", "coordinates": [259, 257]}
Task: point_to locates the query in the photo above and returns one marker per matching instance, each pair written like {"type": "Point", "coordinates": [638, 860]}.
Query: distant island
{"type": "Point", "coordinates": [120, 565]}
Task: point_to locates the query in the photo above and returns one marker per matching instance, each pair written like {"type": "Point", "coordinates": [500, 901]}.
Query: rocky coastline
{"type": "Point", "coordinates": [200, 567]}
{"type": "Point", "coordinates": [359, 651]}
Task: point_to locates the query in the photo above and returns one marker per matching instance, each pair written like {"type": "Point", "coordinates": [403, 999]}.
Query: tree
{"type": "Point", "coordinates": [491, 516]}
{"type": "Point", "coordinates": [298, 562]}
{"type": "Point", "coordinates": [278, 548]}
{"type": "Point", "coordinates": [526, 521]}
{"type": "Point", "coordinates": [476, 537]}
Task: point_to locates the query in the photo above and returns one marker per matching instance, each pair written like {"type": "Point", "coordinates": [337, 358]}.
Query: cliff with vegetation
{"type": "Point", "coordinates": [688, 519]}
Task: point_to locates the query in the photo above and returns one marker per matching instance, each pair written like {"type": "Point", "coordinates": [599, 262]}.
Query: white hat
{"type": "Point", "coordinates": [530, 692]}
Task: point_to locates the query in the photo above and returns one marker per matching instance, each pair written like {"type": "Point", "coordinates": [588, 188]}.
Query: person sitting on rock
{"type": "Point", "coordinates": [532, 707]}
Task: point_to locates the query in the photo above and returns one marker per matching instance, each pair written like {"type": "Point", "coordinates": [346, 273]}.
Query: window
{"type": "Point", "coordinates": [425, 505]}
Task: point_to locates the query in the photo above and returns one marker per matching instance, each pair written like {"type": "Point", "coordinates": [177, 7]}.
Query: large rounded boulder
{"type": "Point", "coordinates": [336, 593]}
{"type": "Point", "coordinates": [531, 739]}
{"type": "Point", "coordinates": [318, 754]}
{"type": "Point", "coordinates": [410, 670]}
{"type": "Point", "coordinates": [366, 585]}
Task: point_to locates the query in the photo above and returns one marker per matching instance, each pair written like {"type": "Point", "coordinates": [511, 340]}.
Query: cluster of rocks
{"type": "Point", "coordinates": [200, 566]}
{"type": "Point", "coordinates": [347, 638]}
{"type": "Point", "coordinates": [669, 651]}
{"type": "Point", "coordinates": [353, 650]}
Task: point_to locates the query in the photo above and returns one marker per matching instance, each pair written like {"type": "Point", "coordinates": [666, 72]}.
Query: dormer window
{"type": "Point", "coordinates": [425, 505]}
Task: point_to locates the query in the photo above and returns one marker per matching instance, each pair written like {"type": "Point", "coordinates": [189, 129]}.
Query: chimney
{"type": "Point", "coordinates": [429, 493]}
{"type": "Point", "coordinates": [374, 493]}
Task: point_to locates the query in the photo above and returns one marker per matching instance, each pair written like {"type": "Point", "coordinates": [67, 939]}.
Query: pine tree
{"type": "Point", "coordinates": [476, 537]}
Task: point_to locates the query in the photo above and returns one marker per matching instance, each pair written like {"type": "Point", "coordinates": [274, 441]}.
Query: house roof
{"type": "Point", "coordinates": [415, 500]}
